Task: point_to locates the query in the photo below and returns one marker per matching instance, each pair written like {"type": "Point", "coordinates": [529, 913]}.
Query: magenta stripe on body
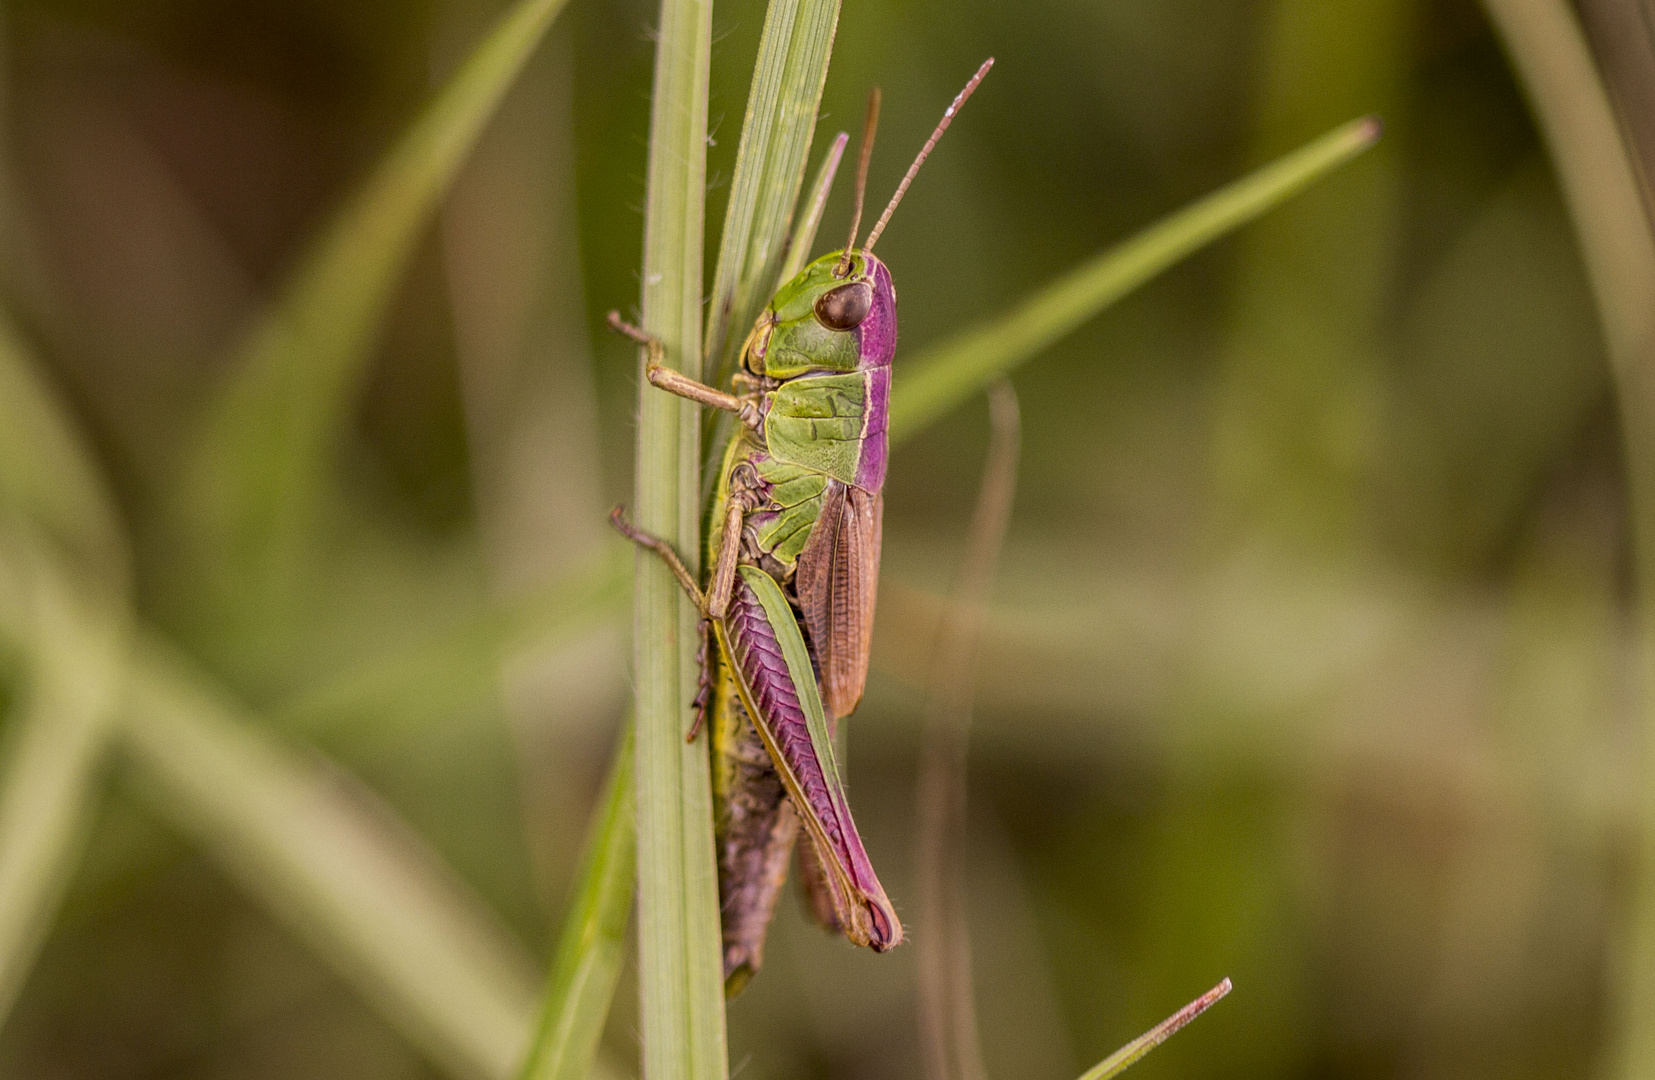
{"type": "Point", "coordinates": [876, 344]}
{"type": "Point", "coordinates": [870, 467]}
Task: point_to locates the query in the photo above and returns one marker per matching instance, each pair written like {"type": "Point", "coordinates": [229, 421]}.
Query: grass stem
{"type": "Point", "coordinates": [679, 967]}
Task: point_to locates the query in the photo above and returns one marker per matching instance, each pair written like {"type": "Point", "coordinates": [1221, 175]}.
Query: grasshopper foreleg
{"type": "Point", "coordinates": [673, 382]}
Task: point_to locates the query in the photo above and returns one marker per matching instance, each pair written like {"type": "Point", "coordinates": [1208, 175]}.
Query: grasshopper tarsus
{"type": "Point", "coordinates": [621, 326]}
{"type": "Point", "coordinates": [617, 519]}
{"type": "Point", "coordinates": [657, 350]}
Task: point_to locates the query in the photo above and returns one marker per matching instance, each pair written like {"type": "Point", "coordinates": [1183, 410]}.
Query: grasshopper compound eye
{"type": "Point", "coordinates": [844, 308]}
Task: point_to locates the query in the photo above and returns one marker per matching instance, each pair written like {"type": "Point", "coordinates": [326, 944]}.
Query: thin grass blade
{"type": "Point", "coordinates": [1600, 186]}
{"type": "Point", "coordinates": [804, 234]}
{"type": "Point", "coordinates": [679, 966]}
{"type": "Point", "coordinates": [788, 78]}
{"type": "Point", "coordinates": [1133, 1052]}
{"type": "Point", "coordinates": [588, 961]}
{"type": "Point", "coordinates": [949, 373]}
{"type": "Point", "coordinates": [48, 793]}
{"type": "Point", "coordinates": [1599, 181]}
{"type": "Point", "coordinates": [259, 464]}
{"type": "Point", "coordinates": [1624, 48]}
{"type": "Point", "coordinates": [336, 867]}
{"type": "Point", "coordinates": [949, 1044]}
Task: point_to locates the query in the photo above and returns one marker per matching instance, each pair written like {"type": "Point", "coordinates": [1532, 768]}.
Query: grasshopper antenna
{"type": "Point", "coordinates": [869, 126]}
{"type": "Point", "coordinates": [924, 152]}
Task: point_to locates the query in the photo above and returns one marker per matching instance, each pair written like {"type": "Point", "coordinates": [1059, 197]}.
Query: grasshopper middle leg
{"type": "Point", "coordinates": [715, 601]}
{"type": "Point", "coordinates": [712, 603]}
{"type": "Point", "coordinates": [663, 550]}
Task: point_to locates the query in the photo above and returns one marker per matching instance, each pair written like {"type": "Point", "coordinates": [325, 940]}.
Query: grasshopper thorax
{"type": "Point", "coordinates": [824, 322]}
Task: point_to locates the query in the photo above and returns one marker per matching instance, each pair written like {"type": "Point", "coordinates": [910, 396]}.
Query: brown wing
{"type": "Point", "coordinates": [838, 574]}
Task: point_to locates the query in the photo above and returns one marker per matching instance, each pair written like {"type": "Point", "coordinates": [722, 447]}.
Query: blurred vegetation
{"type": "Point", "coordinates": [1310, 660]}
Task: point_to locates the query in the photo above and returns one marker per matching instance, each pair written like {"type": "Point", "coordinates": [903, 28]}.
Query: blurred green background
{"type": "Point", "coordinates": [1308, 663]}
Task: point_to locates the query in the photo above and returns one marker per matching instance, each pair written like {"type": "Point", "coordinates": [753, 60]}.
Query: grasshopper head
{"type": "Point", "coordinates": [821, 321]}
{"type": "Point", "coordinates": [839, 314]}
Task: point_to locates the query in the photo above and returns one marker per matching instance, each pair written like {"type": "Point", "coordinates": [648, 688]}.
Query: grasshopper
{"type": "Point", "coordinates": [793, 540]}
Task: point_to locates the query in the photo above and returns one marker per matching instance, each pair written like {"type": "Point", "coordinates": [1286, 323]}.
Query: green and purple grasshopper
{"type": "Point", "coordinates": [793, 539]}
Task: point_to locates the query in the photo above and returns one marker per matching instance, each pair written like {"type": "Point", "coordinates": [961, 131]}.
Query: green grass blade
{"type": "Point", "coordinates": [588, 961]}
{"type": "Point", "coordinates": [334, 866]}
{"type": "Point", "coordinates": [1130, 1054]}
{"type": "Point", "coordinates": [804, 234]}
{"type": "Point", "coordinates": [258, 468]}
{"type": "Point", "coordinates": [797, 252]}
{"type": "Point", "coordinates": [56, 743]}
{"type": "Point", "coordinates": [770, 168]}
{"type": "Point", "coordinates": [947, 374]}
{"type": "Point", "coordinates": [679, 963]}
